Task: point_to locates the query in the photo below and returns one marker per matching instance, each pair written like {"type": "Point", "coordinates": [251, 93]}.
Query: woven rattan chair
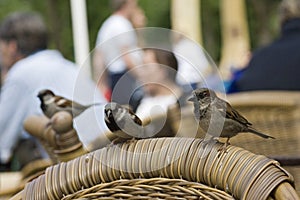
{"type": "Point", "coordinates": [276, 113]}
{"type": "Point", "coordinates": [164, 168]}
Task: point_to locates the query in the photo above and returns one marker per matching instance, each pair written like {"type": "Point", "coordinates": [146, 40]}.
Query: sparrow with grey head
{"type": "Point", "coordinates": [217, 118]}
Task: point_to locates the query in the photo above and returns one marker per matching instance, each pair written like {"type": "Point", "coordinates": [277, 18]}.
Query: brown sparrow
{"type": "Point", "coordinates": [217, 118]}
{"type": "Point", "coordinates": [51, 104]}
{"type": "Point", "coordinates": [122, 121]}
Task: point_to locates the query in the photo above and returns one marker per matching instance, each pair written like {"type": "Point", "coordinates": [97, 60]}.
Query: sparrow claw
{"type": "Point", "coordinates": [131, 140]}
{"type": "Point", "coordinates": [206, 142]}
{"type": "Point", "coordinates": [110, 145]}
{"type": "Point", "coordinates": [119, 140]}
{"type": "Point", "coordinates": [223, 149]}
{"type": "Point", "coordinates": [116, 141]}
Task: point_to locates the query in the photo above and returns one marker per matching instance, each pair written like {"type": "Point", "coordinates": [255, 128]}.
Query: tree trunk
{"type": "Point", "coordinates": [185, 18]}
{"type": "Point", "coordinates": [235, 37]}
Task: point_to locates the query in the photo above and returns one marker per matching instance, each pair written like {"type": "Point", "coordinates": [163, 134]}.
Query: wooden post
{"type": "Point", "coordinates": [81, 36]}
{"type": "Point", "coordinates": [235, 36]}
{"type": "Point", "coordinates": [185, 18]}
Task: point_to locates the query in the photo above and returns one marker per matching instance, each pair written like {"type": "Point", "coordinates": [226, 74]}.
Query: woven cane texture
{"type": "Point", "coordinates": [275, 113]}
{"type": "Point", "coordinates": [57, 136]}
{"type": "Point", "coordinates": [152, 188]}
{"type": "Point", "coordinates": [237, 172]}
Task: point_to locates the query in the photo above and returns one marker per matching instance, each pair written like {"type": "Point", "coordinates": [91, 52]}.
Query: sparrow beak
{"type": "Point", "coordinates": [192, 98]}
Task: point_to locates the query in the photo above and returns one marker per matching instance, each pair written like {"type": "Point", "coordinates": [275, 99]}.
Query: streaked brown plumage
{"type": "Point", "coordinates": [51, 104]}
{"type": "Point", "coordinates": [123, 122]}
{"type": "Point", "coordinates": [116, 115]}
{"type": "Point", "coordinates": [217, 118]}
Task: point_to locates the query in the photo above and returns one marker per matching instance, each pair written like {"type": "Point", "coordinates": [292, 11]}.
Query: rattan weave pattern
{"type": "Point", "coordinates": [237, 172]}
{"type": "Point", "coordinates": [151, 188]}
{"type": "Point", "coordinates": [276, 113]}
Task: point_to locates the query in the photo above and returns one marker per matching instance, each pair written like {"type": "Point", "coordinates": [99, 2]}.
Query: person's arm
{"type": "Point", "coordinates": [131, 54]}
{"type": "Point", "coordinates": [100, 74]}
{"type": "Point", "coordinates": [133, 61]}
{"type": "Point", "coordinates": [1, 79]}
{"type": "Point", "coordinates": [3, 73]}
{"type": "Point", "coordinates": [13, 109]}
{"type": "Point", "coordinates": [128, 58]}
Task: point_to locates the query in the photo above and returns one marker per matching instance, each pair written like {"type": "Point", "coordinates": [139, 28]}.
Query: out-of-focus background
{"type": "Point", "coordinates": [254, 46]}
{"type": "Point", "coordinates": [261, 17]}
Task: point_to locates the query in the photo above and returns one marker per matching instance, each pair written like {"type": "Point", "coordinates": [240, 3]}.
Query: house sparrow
{"type": "Point", "coordinates": [51, 104]}
{"type": "Point", "coordinates": [122, 121]}
{"type": "Point", "coordinates": [217, 118]}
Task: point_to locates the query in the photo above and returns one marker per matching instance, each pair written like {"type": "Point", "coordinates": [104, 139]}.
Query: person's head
{"type": "Point", "coordinates": [289, 9]}
{"type": "Point", "coordinates": [21, 34]}
{"type": "Point", "coordinates": [138, 18]}
{"type": "Point", "coordinates": [126, 7]}
{"type": "Point", "coordinates": [159, 69]}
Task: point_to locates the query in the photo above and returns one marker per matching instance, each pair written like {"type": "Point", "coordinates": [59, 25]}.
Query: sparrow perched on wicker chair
{"type": "Point", "coordinates": [123, 122]}
{"type": "Point", "coordinates": [217, 118]}
{"type": "Point", "coordinates": [51, 104]}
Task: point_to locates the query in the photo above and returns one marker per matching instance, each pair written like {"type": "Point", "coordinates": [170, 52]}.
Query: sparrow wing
{"type": "Point", "coordinates": [72, 107]}
{"type": "Point", "coordinates": [79, 106]}
{"type": "Point", "coordinates": [110, 121]}
{"type": "Point", "coordinates": [66, 103]}
{"type": "Point", "coordinates": [230, 113]}
{"type": "Point", "coordinates": [118, 117]}
{"type": "Point", "coordinates": [62, 102]}
{"type": "Point", "coordinates": [135, 118]}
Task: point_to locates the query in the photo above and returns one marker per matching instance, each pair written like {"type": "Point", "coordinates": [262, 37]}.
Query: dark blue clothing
{"type": "Point", "coordinates": [275, 67]}
{"type": "Point", "coordinates": [125, 89]}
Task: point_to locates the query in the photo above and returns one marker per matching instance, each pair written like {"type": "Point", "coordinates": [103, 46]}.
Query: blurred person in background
{"type": "Point", "coordinates": [159, 82]}
{"type": "Point", "coordinates": [30, 68]}
{"type": "Point", "coordinates": [113, 56]}
{"type": "Point", "coordinates": [276, 66]}
{"type": "Point", "coordinates": [193, 66]}
{"type": "Point", "coordinates": [1, 78]}
{"type": "Point", "coordinates": [139, 20]}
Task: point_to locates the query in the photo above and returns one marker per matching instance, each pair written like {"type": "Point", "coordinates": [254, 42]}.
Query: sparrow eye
{"type": "Point", "coordinates": [204, 94]}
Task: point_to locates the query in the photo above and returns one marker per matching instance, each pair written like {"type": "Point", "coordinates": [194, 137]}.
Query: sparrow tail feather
{"type": "Point", "coordinates": [252, 130]}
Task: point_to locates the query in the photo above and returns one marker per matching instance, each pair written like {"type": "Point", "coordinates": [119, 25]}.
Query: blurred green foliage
{"type": "Point", "coordinates": [211, 28]}
{"type": "Point", "coordinates": [262, 18]}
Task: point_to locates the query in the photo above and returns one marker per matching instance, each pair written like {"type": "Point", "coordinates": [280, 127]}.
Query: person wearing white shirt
{"type": "Point", "coordinates": [31, 67]}
{"type": "Point", "coordinates": [116, 53]}
{"type": "Point", "coordinates": [193, 66]}
{"type": "Point", "coordinates": [159, 83]}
